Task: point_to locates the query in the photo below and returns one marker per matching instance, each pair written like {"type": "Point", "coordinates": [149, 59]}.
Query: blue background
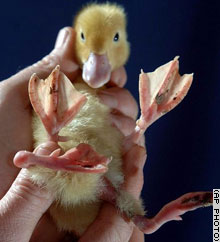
{"type": "Point", "coordinates": [183, 146]}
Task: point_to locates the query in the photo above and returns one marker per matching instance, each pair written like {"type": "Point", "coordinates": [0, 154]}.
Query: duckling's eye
{"type": "Point", "coordinates": [116, 38]}
{"type": "Point", "coordinates": [82, 36]}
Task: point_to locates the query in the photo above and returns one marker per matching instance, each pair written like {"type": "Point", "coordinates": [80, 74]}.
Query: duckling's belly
{"type": "Point", "coordinates": [74, 219]}
{"type": "Point", "coordinates": [76, 192]}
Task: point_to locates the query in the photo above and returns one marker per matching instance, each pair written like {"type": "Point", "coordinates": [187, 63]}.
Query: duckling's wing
{"type": "Point", "coordinates": [55, 100]}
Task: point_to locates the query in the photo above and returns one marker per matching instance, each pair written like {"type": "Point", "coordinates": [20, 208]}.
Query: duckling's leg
{"type": "Point", "coordinates": [160, 91]}
{"type": "Point", "coordinates": [131, 209]}
{"type": "Point", "coordinates": [79, 159]}
{"type": "Point", "coordinates": [173, 210]}
{"type": "Point", "coordinates": [56, 102]}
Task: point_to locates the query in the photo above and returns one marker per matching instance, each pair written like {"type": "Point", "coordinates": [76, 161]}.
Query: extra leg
{"type": "Point", "coordinates": [160, 91]}
{"type": "Point", "coordinates": [56, 102]}
{"type": "Point", "coordinates": [80, 159]}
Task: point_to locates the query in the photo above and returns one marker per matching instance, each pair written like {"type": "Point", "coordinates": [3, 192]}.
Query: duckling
{"type": "Point", "coordinates": [87, 162]}
{"type": "Point", "coordinates": [101, 42]}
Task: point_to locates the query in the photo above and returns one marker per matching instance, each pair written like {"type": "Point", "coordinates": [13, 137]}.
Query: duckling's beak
{"type": "Point", "coordinates": [96, 70]}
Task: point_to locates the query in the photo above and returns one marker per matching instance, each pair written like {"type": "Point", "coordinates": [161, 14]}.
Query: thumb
{"type": "Point", "coordinates": [21, 208]}
{"type": "Point", "coordinates": [62, 54]}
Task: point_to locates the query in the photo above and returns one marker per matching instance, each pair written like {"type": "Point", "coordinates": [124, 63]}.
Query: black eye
{"type": "Point", "coordinates": [82, 36]}
{"type": "Point", "coordinates": [116, 38]}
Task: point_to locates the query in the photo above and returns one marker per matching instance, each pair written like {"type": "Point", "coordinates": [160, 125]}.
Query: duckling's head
{"type": "Point", "coordinates": [101, 41]}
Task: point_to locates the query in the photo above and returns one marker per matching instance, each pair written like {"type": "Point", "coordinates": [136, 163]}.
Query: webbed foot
{"type": "Point", "coordinates": [160, 91]}
{"type": "Point", "coordinates": [79, 159]}
{"type": "Point", "coordinates": [173, 210]}
{"type": "Point", "coordinates": [55, 100]}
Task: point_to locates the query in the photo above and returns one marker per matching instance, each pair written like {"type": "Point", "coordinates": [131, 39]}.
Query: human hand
{"type": "Point", "coordinates": [15, 108]}
{"type": "Point", "coordinates": [16, 133]}
{"type": "Point", "coordinates": [22, 207]}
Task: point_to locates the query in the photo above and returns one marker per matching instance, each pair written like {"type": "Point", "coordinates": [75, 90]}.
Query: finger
{"type": "Point", "coordinates": [133, 163]}
{"type": "Point", "coordinates": [118, 77]}
{"type": "Point", "coordinates": [125, 124]}
{"type": "Point", "coordinates": [21, 208]}
{"type": "Point", "coordinates": [121, 100]}
{"type": "Point", "coordinates": [46, 231]}
{"type": "Point", "coordinates": [137, 236]}
{"type": "Point", "coordinates": [108, 227]}
{"type": "Point", "coordinates": [62, 54]}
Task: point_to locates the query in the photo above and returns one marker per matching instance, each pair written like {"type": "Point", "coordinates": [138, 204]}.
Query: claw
{"type": "Point", "coordinates": [55, 100]}
{"type": "Point", "coordinates": [173, 210]}
{"type": "Point", "coordinates": [160, 91]}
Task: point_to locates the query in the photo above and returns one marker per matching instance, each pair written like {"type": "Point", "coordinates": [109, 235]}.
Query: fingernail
{"type": "Point", "coordinates": [108, 99]}
{"type": "Point", "coordinates": [62, 38]}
